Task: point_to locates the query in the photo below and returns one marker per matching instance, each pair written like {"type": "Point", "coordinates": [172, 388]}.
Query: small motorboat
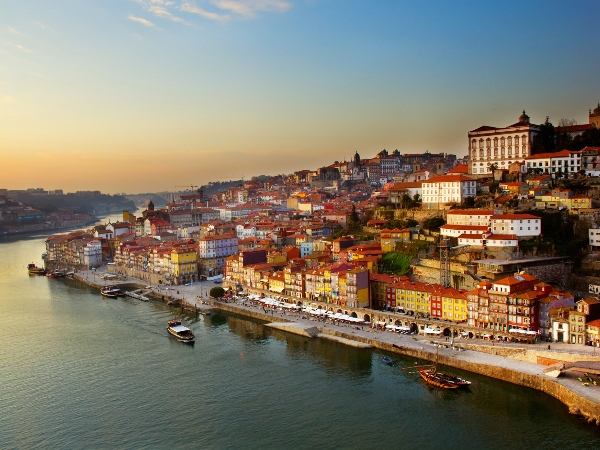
{"type": "Point", "coordinates": [387, 360]}
{"type": "Point", "coordinates": [182, 333]}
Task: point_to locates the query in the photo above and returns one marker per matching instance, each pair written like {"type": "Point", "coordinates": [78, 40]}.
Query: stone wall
{"type": "Point", "coordinates": [432, 275]}
{"type": "Point", "coordinates": [577, 404]}
{"type": "Point", "coordinates": [151, 278]}
{"type": "Point", "coordinates": [553, 273]}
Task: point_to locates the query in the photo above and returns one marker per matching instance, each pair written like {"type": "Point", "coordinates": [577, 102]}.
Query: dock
{"type": "Point", "coordinates": [139, 294]}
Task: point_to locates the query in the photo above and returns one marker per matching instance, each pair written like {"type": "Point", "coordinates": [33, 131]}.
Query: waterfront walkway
{"type": "Point", "coordinates": [460, 350]}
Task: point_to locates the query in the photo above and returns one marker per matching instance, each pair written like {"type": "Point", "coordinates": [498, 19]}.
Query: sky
{"type": "Point", "coordinates": [146, 95]}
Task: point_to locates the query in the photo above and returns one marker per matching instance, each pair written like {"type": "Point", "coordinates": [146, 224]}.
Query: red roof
{"type": "Point", "coordinates": [460, 168]}
{"type": "Point", "coordinates": [502, 237]}
{"type": "Point", "coordinates": [561, 154]}
{"type": "Point", "coordinates": [448, 179]}
{"type": "Point", "coordinates": [513, 216]}
{"type": "Point", "coordinates": [472, 212]}
{"type": "Point", "coordinates": [465, 227]}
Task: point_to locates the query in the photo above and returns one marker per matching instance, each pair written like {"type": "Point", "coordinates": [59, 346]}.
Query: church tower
{"type": "Point", "coordinates": [594, 117]}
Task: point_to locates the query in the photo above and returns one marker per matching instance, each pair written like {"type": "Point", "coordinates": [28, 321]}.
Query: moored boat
{"type": "Point", "coordinates": [111, 292]}
{"type": "Point", "coordinates": [431, 377]}
{"type": "Point", "coordinates": [387, 360]}
{"type": "Point", "coordinates": [460, 382]}
{"type": "Point", "coordinates": [182, 333]}
{"type": "Point", "coordinates": [35, 270]}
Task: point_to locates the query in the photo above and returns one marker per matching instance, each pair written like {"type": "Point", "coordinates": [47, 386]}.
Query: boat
{"type": "Point", "coordinates": [431, 377]}
{"type": "Point", "coordinates": [111, 292]}
{"type": "Point", "coordinates": [388, 360]}
{"type": "Point", "coordinates": [460, 382]}
{"type": "Point", "coordinates": [182, 333]}
{"type": "Point", "coordinates": [35, 270]}
{"type": "Point", "coordinates": [54, 274]}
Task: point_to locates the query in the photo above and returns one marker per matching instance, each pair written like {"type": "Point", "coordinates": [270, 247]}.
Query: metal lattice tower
{"type": "Point", "coordinates": [445, 262]}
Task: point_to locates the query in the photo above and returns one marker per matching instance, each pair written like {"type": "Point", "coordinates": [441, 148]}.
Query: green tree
{"type": "Point", "coordinates": [405, 201]}
{"type": "Point", "coordinates": [353, 221]}
{"type": "Point", "coordinates": [469, 202]}
{"type": "Point", "coordinates": [416, 201]}
{"type": "Point", "coordinates": [217, 292]}
{"type": "Point", "coordinates": [545, 140]}
{"type": "Point", "coordinates": [396, 263]}
{"type": "Point", "coordinates": [434, 223]}
{"type": "Point", "coordinates": [410, 223]}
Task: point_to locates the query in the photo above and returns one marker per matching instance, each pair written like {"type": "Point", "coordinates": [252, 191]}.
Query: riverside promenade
{"type": "Point", "coordinates": [523, 364]}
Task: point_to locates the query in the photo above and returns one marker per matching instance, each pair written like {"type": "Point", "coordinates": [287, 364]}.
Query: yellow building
{"type": "Point", "coordinates": [184, 264]}
{"type": "Point", "coordinates": [454, 305]}
{"type": "Point", "coordinates": [276, 257]}
{"type": "Point", "coordinates": [277, 282]}
{"type": "Point", "coordinates": [389, 239]}
{"type": "Point", "coordinates": [413, 296]}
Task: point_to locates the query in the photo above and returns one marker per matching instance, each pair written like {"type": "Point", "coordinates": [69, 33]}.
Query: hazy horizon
{"type": "Point", "coordinates": [145, 95]}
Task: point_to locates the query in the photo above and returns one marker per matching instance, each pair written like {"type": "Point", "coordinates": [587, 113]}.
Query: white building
{"type": "Point", "coordinates": [476, 217]}
{"type": "Point", "coordinates": [192, 217]}
{"type": "Point", "coordinates": [590, 161]}
{"type": "Point", "coordinates": [594, 235]}
{"type": "Point", "coordinates": [522, 225]}
{"type": "Point", "coordinates": [488, 239]}
{"type": "Point", "coordinates": [219, 246]}
{"type": "Point", "coordinates": [457, 230]}
{"type": "Point", "coordinates": [500, 146]}
{"type": "Point", "coordinates": [245, 231]}
{"type": "Point", "coordinates": [92, 253]}
{"type": "Point", "coordinates": [444, 190]}
{"type": "Point", "coordinates": [565, 162]}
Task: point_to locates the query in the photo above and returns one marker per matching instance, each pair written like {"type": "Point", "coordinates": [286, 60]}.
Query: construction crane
{"type": "Point", "coordinates": [445, 250]}
{"type": "Point", "coordinates": [198, 191]}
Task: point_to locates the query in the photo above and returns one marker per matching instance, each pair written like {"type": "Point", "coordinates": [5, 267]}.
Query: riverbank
{"type": "Point", "coordinates": [508, 363]}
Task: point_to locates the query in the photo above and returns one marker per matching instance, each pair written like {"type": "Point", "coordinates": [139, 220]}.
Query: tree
{"type": "Point", "coordinates": [405, 201]}
{"type": "Point", "coordinates": [353, 220]}
{"type": "Point", "coordinates": [545, 140]}
{"type": "Point", "coordinates": [396, 263]}
{"type": "Point", "coordinates": [469, 202]}
{"type": "Point", "coordinates": [434, 223]}
{"type": "Point", "coordinates": [217, 292]}
{"type": "Point", "coordinates": [416, 201]}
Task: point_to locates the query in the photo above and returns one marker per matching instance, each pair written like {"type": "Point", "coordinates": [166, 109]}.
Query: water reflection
{"type": "Point", "coordinates": [329, 354]}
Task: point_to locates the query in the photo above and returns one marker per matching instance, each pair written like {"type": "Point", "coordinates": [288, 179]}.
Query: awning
{"type": "Point", "coordinates": [279, 290]}
{"type": "Point", "coordinates": [528, 332]}
{"type": "Point", "coordinates": [432, 331]}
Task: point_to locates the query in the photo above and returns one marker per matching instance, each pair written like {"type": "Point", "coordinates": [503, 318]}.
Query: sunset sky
{"type": "Point", "coordinates": [143, 95]}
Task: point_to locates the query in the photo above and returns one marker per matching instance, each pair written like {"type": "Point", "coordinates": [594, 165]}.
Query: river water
{"type": "Point", "coordinates": [80, 371]}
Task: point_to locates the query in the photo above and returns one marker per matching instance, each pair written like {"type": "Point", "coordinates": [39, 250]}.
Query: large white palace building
{"type": "Point", "coordinates": [500, 146]}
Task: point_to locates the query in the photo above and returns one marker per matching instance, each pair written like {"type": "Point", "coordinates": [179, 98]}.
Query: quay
{"type": "Point", "coordinates": [529, 365]}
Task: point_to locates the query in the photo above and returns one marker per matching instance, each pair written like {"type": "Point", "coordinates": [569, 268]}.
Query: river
{"type": "Point", "coordinates": [80, 371]}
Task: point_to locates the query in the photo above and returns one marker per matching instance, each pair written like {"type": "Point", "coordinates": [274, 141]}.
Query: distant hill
{"type": "Point", "coordinates": [86, 202]}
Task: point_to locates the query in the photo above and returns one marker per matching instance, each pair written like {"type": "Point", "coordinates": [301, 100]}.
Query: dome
{"type": "Point", "coordinates": [524, 117]}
